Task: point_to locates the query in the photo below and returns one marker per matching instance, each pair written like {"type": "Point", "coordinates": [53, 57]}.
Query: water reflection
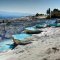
{"type": "Point", "coordinates": [6, 45]}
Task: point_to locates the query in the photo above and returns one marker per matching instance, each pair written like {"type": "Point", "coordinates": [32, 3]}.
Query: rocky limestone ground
{"type": "Point", "coordinates": [44, 46]}
{"type": "Point", "coordinates": [16, 27]}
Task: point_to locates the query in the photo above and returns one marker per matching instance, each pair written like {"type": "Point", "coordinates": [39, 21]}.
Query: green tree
{"type": "Point", "coordinates": [49, 13]}
{"type": "Point", "coordinates": [55, 13]}
{"type": "Point", "coordinates": [37, 14]}
{"type": "Point", "coordinates": [55, 10]}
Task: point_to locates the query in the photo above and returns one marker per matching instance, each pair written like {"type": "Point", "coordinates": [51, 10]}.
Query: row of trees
{"type": "Point", "coordinates": [39, 14]}
{"type": "Point", "coordinates": [53, 14]}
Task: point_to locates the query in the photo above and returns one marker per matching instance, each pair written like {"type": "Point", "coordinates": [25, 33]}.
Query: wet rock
{"type": "Point", "coordinates": [19, 49]}
{"type": "Point", "coordinates": [44, 59]}
{"type": "Point", "coordinates": [52, 50]}
{"type": "Point", "coordinates": [55, 49]}
{"type": "Point", "coordinates": [58, 59]}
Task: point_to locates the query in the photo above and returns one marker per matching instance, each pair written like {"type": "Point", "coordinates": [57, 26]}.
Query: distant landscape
{"type": "Point", "coordinates": [11, 15]}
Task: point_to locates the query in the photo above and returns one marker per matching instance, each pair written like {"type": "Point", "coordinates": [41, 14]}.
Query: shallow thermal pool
{"type": "Point", "coordinates": [30, 28]}
{"type": "Point", "coordinates": [21, 36]}
{"type": "Point", "coordinates": [6, 45]}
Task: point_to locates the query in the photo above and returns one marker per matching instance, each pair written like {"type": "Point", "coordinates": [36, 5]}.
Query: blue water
{"type": "Point", "coordinates": [50, 22]}
{"type": "Point", "coordinates": [21, 36]}
{"type": "Point", "coordinates": [30, 28]}
{"type": "Point", "coordinates": [6, 45]}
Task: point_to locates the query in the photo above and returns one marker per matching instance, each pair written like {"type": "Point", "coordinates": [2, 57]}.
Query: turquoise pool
{"type": "Point", "coordinates": [30, 28]}
{"type": "Point", "coordinates": [6, 45]}
{"type": "Point", "coordinates": [21, 36]}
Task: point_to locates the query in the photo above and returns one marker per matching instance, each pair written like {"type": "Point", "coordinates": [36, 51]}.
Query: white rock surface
{"type": "Point", "coordinates": [44, 46]}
